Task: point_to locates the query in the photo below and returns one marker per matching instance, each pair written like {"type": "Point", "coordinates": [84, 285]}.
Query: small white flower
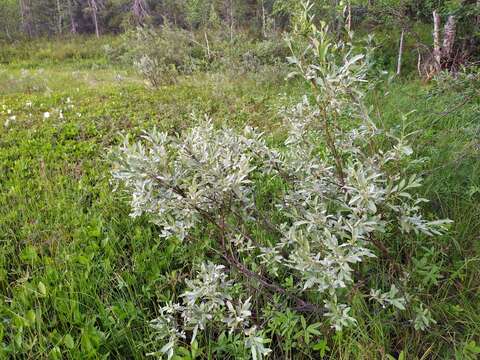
{"type": "Point", "coordinates": [9, 120]}
{"type": "Point", "coordinates": [46, 115]}
{"type": "Point", "coordinates": [28, 104]}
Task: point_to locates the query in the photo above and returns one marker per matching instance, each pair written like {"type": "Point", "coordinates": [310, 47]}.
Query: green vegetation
{"type": "Point", "coordinates": [132, 227]}
{"type": "Point", "coordinates": [77, 274]}
{"type": "Point", "coordinates": [79, 278]}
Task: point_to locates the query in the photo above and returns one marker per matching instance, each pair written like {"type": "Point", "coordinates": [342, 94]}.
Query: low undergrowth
{"type": "Point", "coordinates": [79, 278]}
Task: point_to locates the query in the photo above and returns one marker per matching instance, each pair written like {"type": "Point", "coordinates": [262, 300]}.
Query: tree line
{"type": "Point", "coordinates": [31, 18]}
{"type": "Point", "coordinates": [455, 24]}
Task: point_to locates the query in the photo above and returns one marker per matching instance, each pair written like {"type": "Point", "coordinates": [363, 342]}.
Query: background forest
{"type": "Point", "coordinates": [239, 179]}
{"type": "Point", "coordinates": [397, 23]}
{"type": "Point", "coordinates": [30, 18]}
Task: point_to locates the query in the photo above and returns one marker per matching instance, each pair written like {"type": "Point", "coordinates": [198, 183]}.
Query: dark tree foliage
{"type": "Point", "coordinates": [33, 18]}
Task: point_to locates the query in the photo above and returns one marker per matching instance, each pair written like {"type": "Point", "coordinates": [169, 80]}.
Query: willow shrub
{"type": "Point", "coordinates": [342, 190]}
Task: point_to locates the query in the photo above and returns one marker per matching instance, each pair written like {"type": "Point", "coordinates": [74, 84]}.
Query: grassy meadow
{"type": "Point", "coordinates": [80, 279]}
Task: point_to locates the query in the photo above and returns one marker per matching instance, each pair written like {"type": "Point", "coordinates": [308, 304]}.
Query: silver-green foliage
{"type": "Point", "coordinates": [159, 55]}
{"type": "Point", "coordinates": [342, 194]}
{"type": "Point", "coordinates": [207, 301]}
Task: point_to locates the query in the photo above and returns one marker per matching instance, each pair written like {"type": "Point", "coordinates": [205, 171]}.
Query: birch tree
{"type": "Point", "coordinates": [400, 53]}
{"type": "Point", "coordinates": [94, 8]}
{"type": "Point", "coordinates": [139, 11]}
{"type": "Point", "coordinates": [449, 38]}
{"type": "Point", "coordinates": [26, 17]}
{"type": "Point", "coordinates": [436, 40]}
{"type": "Point", "coordinates": [73, 22]}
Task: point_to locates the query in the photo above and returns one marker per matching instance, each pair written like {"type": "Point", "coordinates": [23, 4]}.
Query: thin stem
{"type": "Point", "coordinates": [302, 305]}
{"type": "Point", "coordinates": [329, 138]}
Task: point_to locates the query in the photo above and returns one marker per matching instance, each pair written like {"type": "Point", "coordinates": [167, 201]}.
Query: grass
{"type": "Point", "coordinates": [80, 279]}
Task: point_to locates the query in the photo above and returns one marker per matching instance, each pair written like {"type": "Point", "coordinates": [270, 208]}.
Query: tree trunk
{"type": "Point", "coordinates": [419, 63]}
{"type": "Point", "coordinates": [449, 38]}
{"type": "Point", "coordinates": [60, 17]}
{"type": "Point", "coordinates": [26, 17]}
{"type": "Point", "coordinates": [349, 16]}
{"type": "Point", "coordinates": [95, 20]}
{"type": "Point", "coordinates": [400, 53]}
{"type": "Point", "coordinates": [73, 24]}
{"type": "Point", "coordinates": [94, 9]}
{"type": "Point", "coordinates": [7, 33]}
{"type": "Point", "coordinates": [437, 55]}
{"type": "Point", "coordinates": [22, 13]}
{"type": "Point", "coordinates": [478, 16]}
{"type": "Point", "coordinates": [231, 21]}
{"type": "Point", "coordinates": [139, 10]}
{"type": "Point", "coordinates": [264, 20]}
{"type": "Point", "coordinates": [207, 45]}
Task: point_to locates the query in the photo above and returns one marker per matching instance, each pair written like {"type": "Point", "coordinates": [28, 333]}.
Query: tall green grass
{"type": "Point", "coordinates": [80, 279]}
{"type": "Point", "coordinates": [45, 51]}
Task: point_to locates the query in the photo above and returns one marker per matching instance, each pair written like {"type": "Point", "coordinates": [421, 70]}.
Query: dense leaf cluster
{"type": "Point", "coordinates": [344, 192]}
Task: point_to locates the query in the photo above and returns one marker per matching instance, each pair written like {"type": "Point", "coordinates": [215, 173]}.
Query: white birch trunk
{"type": "Point", "coordinates": [264, 20]}
{"type": "Point", "coordinates": [94, 9]}
{"type": "Point", "coordinates": [400, 53]}
{"type": "Point", "coordinates": [73, 25]}
{"type": "Point", "coordinates": [449, 34]}
{"type": "Point", "coordinates": [437, 55]}
{"type": "Point", "coordinates": [139, 10]}
{"type": "Point", "coordinates": [26, 17]}
{"type": "Point", "coordinates": [60, 17]}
